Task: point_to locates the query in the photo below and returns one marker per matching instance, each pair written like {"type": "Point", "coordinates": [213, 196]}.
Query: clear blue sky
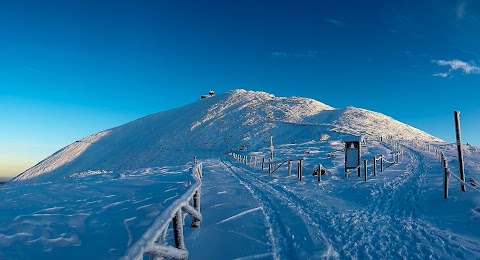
{"type": "Point", "coordinates": [71, 68]}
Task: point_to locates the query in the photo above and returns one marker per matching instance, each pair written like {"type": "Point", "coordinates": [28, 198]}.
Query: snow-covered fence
{"type": "Point", "coordinates": [447, 173]}
{"type": "Point", "coordinates": [153, 240]}
{"type": "Point", "coordinates": [381, 158]}
{"type": "Point", "coordinates": [272, 165]}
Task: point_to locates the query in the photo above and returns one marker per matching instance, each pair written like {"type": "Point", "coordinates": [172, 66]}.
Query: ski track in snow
{"type": "Point", "coordinates": [290, 234]}
{"type": "Point", "coordinates": [387, 228]}
{"type": "Point", "coordinates": [239, 215]}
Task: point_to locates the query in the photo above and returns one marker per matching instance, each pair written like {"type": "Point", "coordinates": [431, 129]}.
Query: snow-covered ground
{"type": "Point", "coordinates": [98, 196]}
{"type": "Point", "coordinates": [249, 214]}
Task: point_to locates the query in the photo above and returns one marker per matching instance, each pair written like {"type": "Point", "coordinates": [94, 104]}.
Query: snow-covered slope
{"type": "Point", "coordinates": [358, 121]}
{"type": "Point", "coordinates": [207, 128]}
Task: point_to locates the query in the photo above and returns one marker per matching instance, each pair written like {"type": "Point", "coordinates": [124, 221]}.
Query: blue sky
{"type": "Point", "coordinates": [72, 68]}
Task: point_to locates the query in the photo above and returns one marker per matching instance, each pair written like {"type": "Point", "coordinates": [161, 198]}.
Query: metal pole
{"type": "Point", "coordinates": [459, 148]}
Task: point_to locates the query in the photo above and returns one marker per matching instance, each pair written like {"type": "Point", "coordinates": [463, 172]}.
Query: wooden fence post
{"type": "Point", "coordinates": [365, 169]}
{"type": "Point", "coordinates": [263, 162]}
{"type": "Point", "coordinates": [269, 165]}
{"type": "Point", "coordinates": [289, 167]}
{"type": "Point", "coordinates": [459, 148]}
{"type": "Point", "coordinates": [178, 230]}
{"type": "Point", "coordinates": [374, 166]}
{"type": "Point", "coordinates": [299, 169]}
{"type": "Point", "coordinates": [445, 178]}
{"type": "Point", "coordinates": [195, 159]}
{"type": "Point", "coordinates": [381, 163]}
{"type": "Point", "coordinates": [196, 205]}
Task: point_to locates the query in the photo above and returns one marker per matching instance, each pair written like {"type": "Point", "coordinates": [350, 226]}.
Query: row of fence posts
{"type": "Point", "coordinates": [396, 159]}
{"type": "Point", "coordinates": [272, 166]}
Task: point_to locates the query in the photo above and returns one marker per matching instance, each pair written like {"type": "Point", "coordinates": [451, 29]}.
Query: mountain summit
{"type": "Point", "coordinates": [235, 120]}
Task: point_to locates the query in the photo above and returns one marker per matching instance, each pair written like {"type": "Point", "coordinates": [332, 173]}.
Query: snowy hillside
{"type": "Point", "coordinates": [110, 195]}
{"type": "Point", "coordinates": [359, 121]}
{"type": "Point", "coordinates": [208, 128]}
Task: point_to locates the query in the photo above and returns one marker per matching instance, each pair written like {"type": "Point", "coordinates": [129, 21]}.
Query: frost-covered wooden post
{"type": "Point", "coordinates": [271, 147]}
{"type": "Point", "coordinates": [381, 163]}
{"type": "Point", "coordinates": [445, 178]}
{"type": "Point", "coordinates": [289, 167]}
{"type": "Point", "coordinates": [300, 166]}
{"type": "Point", "coordinates": [269, 165]}
{"type": "Point", "coordinates": [459, 148]}
{"type": "Point", "coordinates": [263, 163]}
{"type": "Point", "coordinates": [374, 166]}
{"type": "Point", "coordinates": [194, 159]}
{"type": "Point", "coordinates": [299, 169]}
{"type": "Point", "coordinates": [255, 162]}
{"type": "Point", "coordinates": [365, 169]}
{"type": "Point", "coordinates": [196, 205]}
{"type": "Point", "coordinates": [178, 230]}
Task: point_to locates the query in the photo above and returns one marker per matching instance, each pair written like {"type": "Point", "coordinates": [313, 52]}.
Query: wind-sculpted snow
{"type": "Point", "coordinates": [236, 120]}
{"type": "Point", "coordinates": [86, 217]}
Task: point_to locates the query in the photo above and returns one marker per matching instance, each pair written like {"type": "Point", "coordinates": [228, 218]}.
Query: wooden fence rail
{"type": "Point", "coordinates": [153, 241]}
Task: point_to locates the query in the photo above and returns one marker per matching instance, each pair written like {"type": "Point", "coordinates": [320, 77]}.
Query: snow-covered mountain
{"type": "Point", "coordinates": [235, 120]}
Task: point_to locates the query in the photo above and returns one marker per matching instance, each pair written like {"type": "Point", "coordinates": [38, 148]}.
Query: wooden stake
{"type": "Point", "coordinates": [381, 163]}
{"type": "Point", "coordinates": [178, 230]}
{"type": "Point", "coordinates": [365, 169]}
{"type": "Point", "coordinates": [459, 148]}
{"type": "Point", "coordinates": [445, 179]}
{"type": "Point", "coordinates": [374, 166]}
{"type": "Point", "coordinates": [289, 167]}
{"type": "Point", "coordinates": [196, 205]}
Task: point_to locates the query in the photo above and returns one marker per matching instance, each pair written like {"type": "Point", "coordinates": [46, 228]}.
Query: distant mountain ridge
{"type": "Point", "coordinates": [207, 128]}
